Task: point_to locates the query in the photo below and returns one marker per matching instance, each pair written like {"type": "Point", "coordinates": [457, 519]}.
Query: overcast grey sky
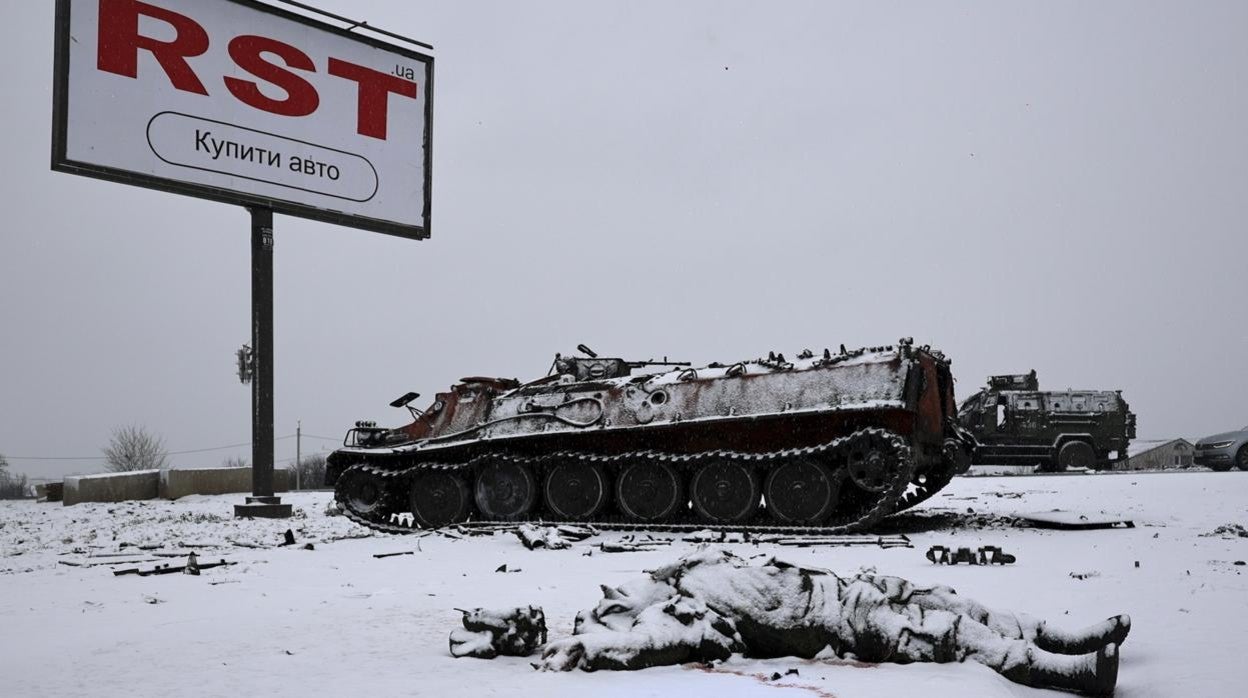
{"type": "Point", "coordinates": [1059, 186]}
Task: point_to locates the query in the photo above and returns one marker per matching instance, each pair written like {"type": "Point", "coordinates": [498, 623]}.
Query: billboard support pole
{"type": "Point", "coordinates": [262, 502]}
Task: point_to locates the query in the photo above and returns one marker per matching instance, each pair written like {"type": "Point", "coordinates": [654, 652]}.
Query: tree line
{"type": "Point", "coordinates": [12, 486]}
{"type": "Point", "coordinates": [132, 448]}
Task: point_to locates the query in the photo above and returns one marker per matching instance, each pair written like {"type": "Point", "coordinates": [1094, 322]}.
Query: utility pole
{"type": "Point", "coordinates": [262, 501]}
{"type": "Point", "coordinates": [298, 451]}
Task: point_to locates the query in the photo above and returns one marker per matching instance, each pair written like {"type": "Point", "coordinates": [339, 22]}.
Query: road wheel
{"type": "Point", "coordinates": [725, 491]}
{"type": "Point", "coordinates": [505, 491]}
{"type": "Point", "coordinates": [649, 491]}
{"type": "Point", "coordinates": [361, 491]}
{"type": "Point", "coordinates": [576, 491]}
{"type": "Point", "coordinates": [872, 463]}
{"type": "Point", "coordinates": [1241, 457]}
{"type": "Point", "coordinates": [439, 498]}
{"type": "Point", "coordinates": [801, 491]}
{"type": "Point", "coordinates": [1075, 454]}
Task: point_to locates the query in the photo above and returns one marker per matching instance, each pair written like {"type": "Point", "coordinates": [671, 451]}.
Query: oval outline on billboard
{"type": "Point", "coordinates": [376, 182]}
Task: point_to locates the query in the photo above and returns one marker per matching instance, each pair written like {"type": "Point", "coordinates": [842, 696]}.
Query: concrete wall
{"type": "Point", "coordinates": [112, 487]}
{"type": "Point", "coordinates": [168, 484]}
{"type": "Point", "coordinates": [180, 483]}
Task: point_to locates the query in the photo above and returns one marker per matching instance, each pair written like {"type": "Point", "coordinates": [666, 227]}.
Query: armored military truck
{"type": "Point", "coordinates": [1016, 423]}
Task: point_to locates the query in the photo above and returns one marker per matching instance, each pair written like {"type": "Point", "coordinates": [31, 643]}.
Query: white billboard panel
{"type": "Point", "coordinates": [235, 100]}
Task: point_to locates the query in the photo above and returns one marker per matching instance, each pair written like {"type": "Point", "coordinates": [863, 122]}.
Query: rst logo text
{"type": "Point", "coordinates": [274, 62]}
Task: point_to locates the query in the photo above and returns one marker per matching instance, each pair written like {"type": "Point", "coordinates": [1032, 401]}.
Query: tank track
{"type": "Point", "coordinates": [395, 480]}
{"type": "Point", "coordinates": [925, 486]}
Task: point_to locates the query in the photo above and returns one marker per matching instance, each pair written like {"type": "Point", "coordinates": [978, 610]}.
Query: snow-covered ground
{"type": "Point", "coordinates": [337, 620]}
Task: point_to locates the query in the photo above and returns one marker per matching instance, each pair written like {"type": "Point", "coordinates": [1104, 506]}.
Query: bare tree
{"type": "Point", "coordinates": [235, 462]}
{"type": "Point", "coordinates": [12, 487]}
{"type": "Point", "coordinates": [311, 471]}
{"type": "Point", "coordinates": [133, 448]}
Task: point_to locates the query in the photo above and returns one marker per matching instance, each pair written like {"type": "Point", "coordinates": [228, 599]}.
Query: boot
{"type": "Point", "coordinates": [1094, 675]}
{"type": "Point", "coordinates": [1112, 630]}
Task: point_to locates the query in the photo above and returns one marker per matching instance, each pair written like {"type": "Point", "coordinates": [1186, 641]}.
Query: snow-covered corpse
{"type": "Point", "coordinates": [711, 604]}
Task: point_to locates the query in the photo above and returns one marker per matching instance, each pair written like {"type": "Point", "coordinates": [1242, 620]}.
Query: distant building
{"type": "Point", "coordinates": [1157, 455]}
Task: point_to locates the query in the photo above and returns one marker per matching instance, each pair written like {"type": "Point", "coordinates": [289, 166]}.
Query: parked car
{"type": "Point", "coordinates": [1221, 451]}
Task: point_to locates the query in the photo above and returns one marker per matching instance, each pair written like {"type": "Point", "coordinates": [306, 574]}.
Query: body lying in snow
{"type": "Point", "coordinates": [711, 604]}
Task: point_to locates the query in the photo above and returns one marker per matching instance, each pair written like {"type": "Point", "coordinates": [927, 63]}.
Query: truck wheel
{"type": "Point", "coordinates": [1241, 457]}
{"type": "Point", "coordinates": [1075, 454]}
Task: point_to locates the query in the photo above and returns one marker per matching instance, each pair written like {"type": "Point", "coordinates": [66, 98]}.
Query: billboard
{"type": "Point", "coordinates": [241, 102]}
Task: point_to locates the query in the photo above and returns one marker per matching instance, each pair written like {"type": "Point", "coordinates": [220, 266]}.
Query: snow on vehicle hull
{"type": "Point", "coordinates": [837, 441]}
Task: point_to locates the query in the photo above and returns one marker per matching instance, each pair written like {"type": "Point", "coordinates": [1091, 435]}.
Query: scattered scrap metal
{"type": "Point", "coordinates": [1229, 530]}
{"type": "Point", "coordinates": [559, 537]}
{"type": "Point", "coordinates": [890, 541]}
{"type": "Point", "coordinates": [634, 544]}
{"type": "Point", "coordinates": [192, 566]}
{"type": "Point", "coordinates": [1074, 521]}
{"type": "Point", "coordinates": [709, 536]}
{"type": "Point", "coordinates": [114, 563]}
{"type": "Point", "coordinates": [985, 555]}
{"type": "Point", "coordinates": [514, 632]}
{"type": "Point", "coordinates": [405, 552]}
{"type": "Point", "coordinates": [552, 537]}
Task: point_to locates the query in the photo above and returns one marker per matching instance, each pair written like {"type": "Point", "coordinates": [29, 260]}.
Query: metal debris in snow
{"type": "Point", "coordinates": [709, 536]}
{"type": "Point", "coordinates": [577, 533]}
{"type": "Point", "coordinates": [549, 537]}
{"type": "Point", "coordinates": [1229, 530]}
{"type": "Point", "coordinates": [114, 563]}
{"type": "Point", "coordinates": [169, 569]}
{"type": "Point", "coordinates": [1074, 521]}
{"type": "Point", "coordinates": [632, 544]}
{"type": "Point", "coordinates": [986, 555]}
{"type": "Point", "coordinates": [891, 541]}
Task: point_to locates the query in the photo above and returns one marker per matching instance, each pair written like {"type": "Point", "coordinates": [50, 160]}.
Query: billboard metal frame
{"type": "Point", "coordinates": [60, 124]}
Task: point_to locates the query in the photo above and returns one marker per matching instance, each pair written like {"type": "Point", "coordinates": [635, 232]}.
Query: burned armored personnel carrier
{"type": "Point", "coordinates": [1015, 423]}
{"type": "Point", "coordinates": [835, 440]}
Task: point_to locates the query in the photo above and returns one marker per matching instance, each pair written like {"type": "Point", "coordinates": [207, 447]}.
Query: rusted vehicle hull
{"type": "Point", "coordinates": [834, 441]}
